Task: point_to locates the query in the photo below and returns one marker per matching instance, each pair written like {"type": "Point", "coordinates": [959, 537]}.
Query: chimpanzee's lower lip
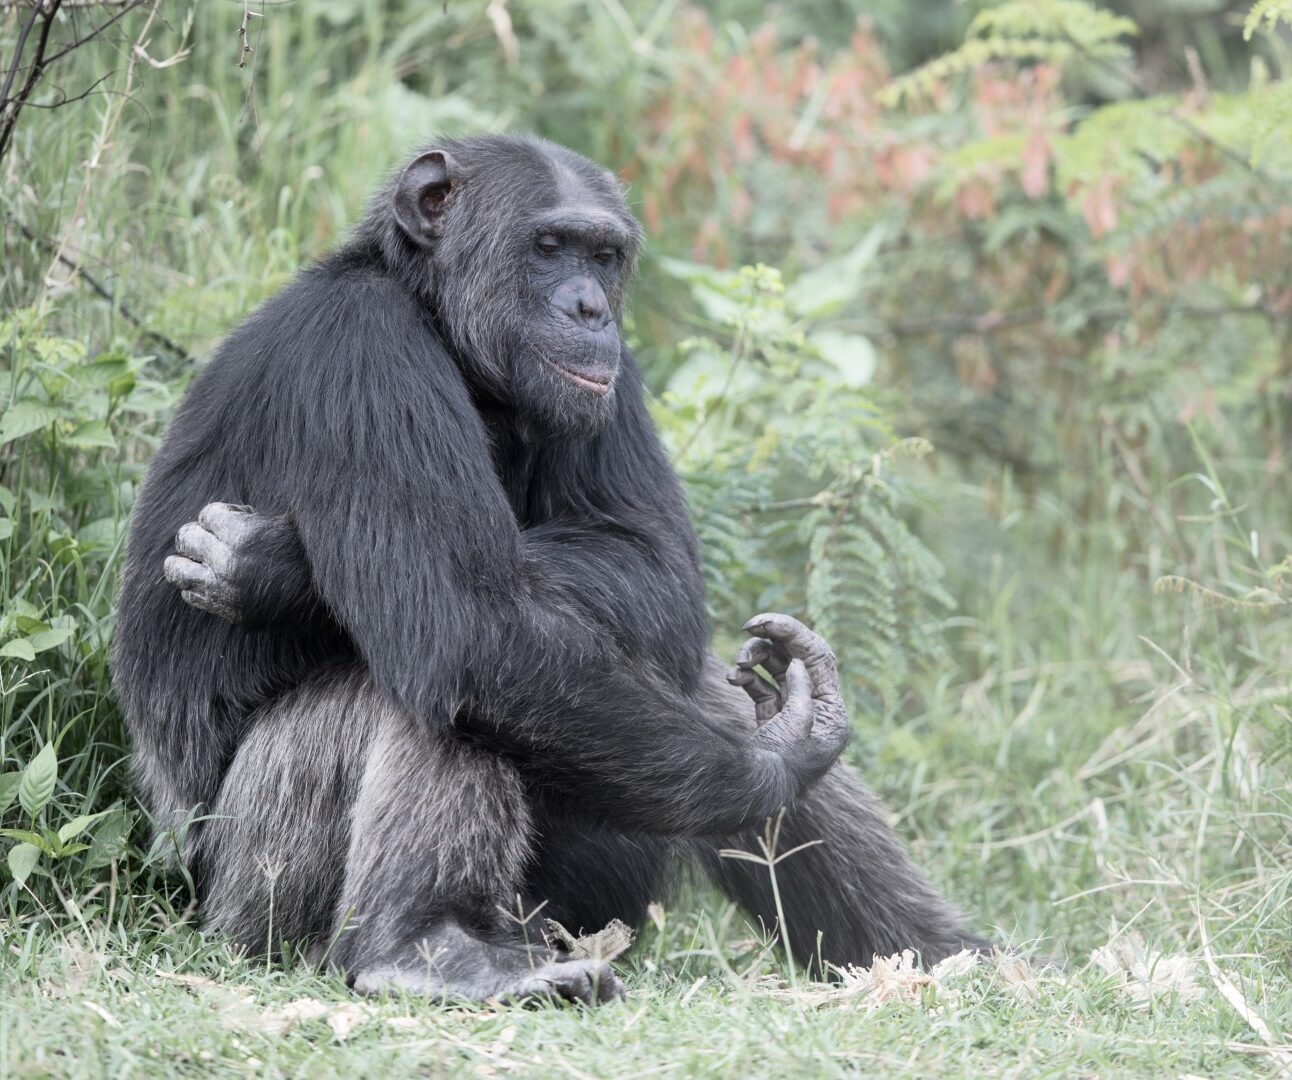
{"type": "Point", "coordinates": [596, 386]}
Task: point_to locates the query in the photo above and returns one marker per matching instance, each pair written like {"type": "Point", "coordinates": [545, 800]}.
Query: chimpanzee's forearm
{"type": "Point", "coordinates": [644, 593]}
{"type": "Point", "coordinates": [606, 718]}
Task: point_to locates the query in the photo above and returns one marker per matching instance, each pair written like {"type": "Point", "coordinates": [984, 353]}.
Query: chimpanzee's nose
{"type": "Point", "coordinates": [583, 300]}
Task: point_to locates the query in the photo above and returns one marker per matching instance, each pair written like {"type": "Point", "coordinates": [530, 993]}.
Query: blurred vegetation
{"type": "Point", "coordinates": [1045, 239]}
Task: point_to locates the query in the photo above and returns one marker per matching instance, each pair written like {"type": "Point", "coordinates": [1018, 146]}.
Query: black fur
{"type": "Point", "coordinates": [462, 647]}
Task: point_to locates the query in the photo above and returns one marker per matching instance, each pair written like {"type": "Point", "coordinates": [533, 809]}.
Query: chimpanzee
{"type": "Point", "coordinates": [453, 665]}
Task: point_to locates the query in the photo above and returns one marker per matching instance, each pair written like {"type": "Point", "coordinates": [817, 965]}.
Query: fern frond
{"type": "Point", "coordinates": [1053, 31]}
{"type": "Point", "coordinates": [1265, 15]}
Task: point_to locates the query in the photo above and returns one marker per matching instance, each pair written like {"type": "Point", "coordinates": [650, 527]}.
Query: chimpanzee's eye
{"type": "Point", "coordinates": [607, 256]}
{"type": "Point", "coordinates": [548, 244]}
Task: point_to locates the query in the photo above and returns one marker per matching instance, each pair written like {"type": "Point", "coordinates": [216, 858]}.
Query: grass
{"type": "Point", "coordinates": [123, 1011]}
{"type": "Point", "coordinates": [1058, 793]}
{"type": "Point", "coordinates": [1097, 764]}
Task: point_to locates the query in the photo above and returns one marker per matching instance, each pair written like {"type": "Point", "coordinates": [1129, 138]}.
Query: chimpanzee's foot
{"type": "Point", "coordinates": [450, 963]}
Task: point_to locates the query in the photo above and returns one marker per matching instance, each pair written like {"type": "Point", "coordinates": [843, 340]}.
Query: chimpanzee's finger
{"type": "Point", "coordinates": [194, 542]}
{"type": "Point", "coordinates": [758, 651]}
{"type": "Point", "coordinates": [186, 574]}
{"type": "Point", "coordinates": [790, 728]}
{"type": "Point", "coordinates": [227, 521]}
{"type": "Point", "coordinates": [798, 695]}
{"type": "Point", "coordinates": [800, 642]}
{"type": "Point", "coordinates": [766, 698]}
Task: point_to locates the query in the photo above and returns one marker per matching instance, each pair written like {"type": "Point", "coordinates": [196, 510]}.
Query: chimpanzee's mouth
{"type": "Point", "coordinates": [595, 383]}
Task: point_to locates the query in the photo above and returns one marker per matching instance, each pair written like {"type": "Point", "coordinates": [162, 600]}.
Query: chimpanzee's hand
{"type": "Point", "coordinates": [245, 567]}
{"type": "Point", "coordinates": [802, 717]}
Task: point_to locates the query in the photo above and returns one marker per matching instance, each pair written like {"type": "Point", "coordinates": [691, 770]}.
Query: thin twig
{"type": "Point", "coordinates": [17, 53]}
{"type": "Point", "coordinates": [10, 107]}
{"type": "Point", "coordinates": [245, 45]}
{"type": "Point", "coordinates": [168, 343]}
{"type": "Point", "coordinates": [990, 322]}
{"type": "Point", "coordinates": [65, 100]}
{"type": "Point", "coordinates": [130, 6]}
{"type": "Point", "coordinates": [111, 117]}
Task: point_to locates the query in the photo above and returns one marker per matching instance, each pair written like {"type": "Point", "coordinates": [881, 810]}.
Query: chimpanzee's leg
{"type": "Point", "coordinates": [394, 851]}
{"type": "Point", "coordinates": [855, 890]}
{"type": "Point", "coordinates": [269, 862]}
{"type": "Point", "coordinates": [585, 873]}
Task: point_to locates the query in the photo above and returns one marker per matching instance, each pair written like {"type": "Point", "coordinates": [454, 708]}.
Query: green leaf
{"type": "Point", "coordinates": [7, 500]}
{"type": "Point", "coordinates": [48, 639]}
{"type": "Point", "coordinates": [18, 649]}
{"type": "Point", "coordinates": [109, 840]}
{"type": "Point", "coordinates": [25, 416]}
{"type": "Point", "coordinates": [8, 789]}
{"type": "Point", "coordinates": [837, 281]}
{"type": "Point", "coordinates": [24, 607]}
{"type": "Point", "coordinates": [102, 532]}
{"type": "Point", "coordinates": [851, 355]}
{"type": "Point", "coordinates": [93, 433]}
{"type": "Point", "coordinates": [22, 861]}
{"type": "Point", "coordinates": [37, 785]}
{"type": "Point", "coordinates": [103, 371]}
{"type": "Point", "coordinates": [78, 825]}
{"type": "Point", "coordinates": [64, 850]}
{"type": "Point", "coordinates": [6, 528]}
{"type": "Point", "coordinates": [27, 836]}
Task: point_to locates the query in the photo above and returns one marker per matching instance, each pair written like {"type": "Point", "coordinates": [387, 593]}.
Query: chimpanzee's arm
{"type": "Point", "coordinates": [414, 551]}
{"type": "Point", "coordinates": [618, 543]}
{"type": "Point", "coordinates": [618, 548]}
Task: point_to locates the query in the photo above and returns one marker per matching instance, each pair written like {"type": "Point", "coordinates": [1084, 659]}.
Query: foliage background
{"type": "Point", "coordinates": [1045, 241]}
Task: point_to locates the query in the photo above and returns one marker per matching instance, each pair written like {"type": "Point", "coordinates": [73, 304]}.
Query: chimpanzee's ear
{"type": "Point", "coordinates": [423, 194]}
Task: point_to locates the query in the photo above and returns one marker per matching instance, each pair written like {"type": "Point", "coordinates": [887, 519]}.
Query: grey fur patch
{"type": "Point", "coordinates": [342, 819]}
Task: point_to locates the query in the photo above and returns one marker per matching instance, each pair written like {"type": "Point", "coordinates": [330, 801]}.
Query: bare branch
{"type": "Point", "coordinates": [990, 322]}
{"type": "Point", "coordinates": [64, 99]}
{"type": "Point", "coordinates": [168, 343]}
{"type": "Point", "coordinates": [128, 7]}
{"type": "Point", "coordinates": [10, 107]}
{"type": "Point", "coordinates": [68, 5]}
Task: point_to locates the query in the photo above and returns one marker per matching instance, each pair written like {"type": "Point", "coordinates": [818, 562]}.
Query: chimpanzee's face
{"type": "Point", "coordinates": [531, 255]}
{"type": "Point", "coordinates": [567, 348]}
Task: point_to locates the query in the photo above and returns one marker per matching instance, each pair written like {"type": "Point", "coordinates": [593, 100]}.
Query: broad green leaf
{"type": "Point", "coordinates": [836, 281]}
{"type": "Point", "coordinates": [103, 371]}
{"type": "Point", "coordinates": [7, 500]}
{"type": "Point", "coordinates": [25, 416]}
{"type": "Point", "coordinates": [8, 789]}
{"type": "Point", "coordinates": [29, 624]}
{"type": "Point", "coordinates": [102, 532]}
{"type": "Point", "coordinates": [27, 836]}
{"type": "Point", "coordinates": [38, 779]}
{"type": "Point", "coordinates": [109, 839]}
{"type": "Point", "coordinates": [93, 433]}
{"type": "Point", "coordinates": [18, 649]}
{"type": "Point", "coordinates": [58, 350]}
{"type": "Point", "coordinates": [78, 825]}
{"type": "Point", "coordinates": [6, 528]}
{"type": "Point", "coordinates": [851, 355]}
{"type": "Point", "coordinates": [22, 861]}
{"type": "Point", "coordinates": [48, 639]}
{"type": "Point", "coordinates": [64, 850]}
